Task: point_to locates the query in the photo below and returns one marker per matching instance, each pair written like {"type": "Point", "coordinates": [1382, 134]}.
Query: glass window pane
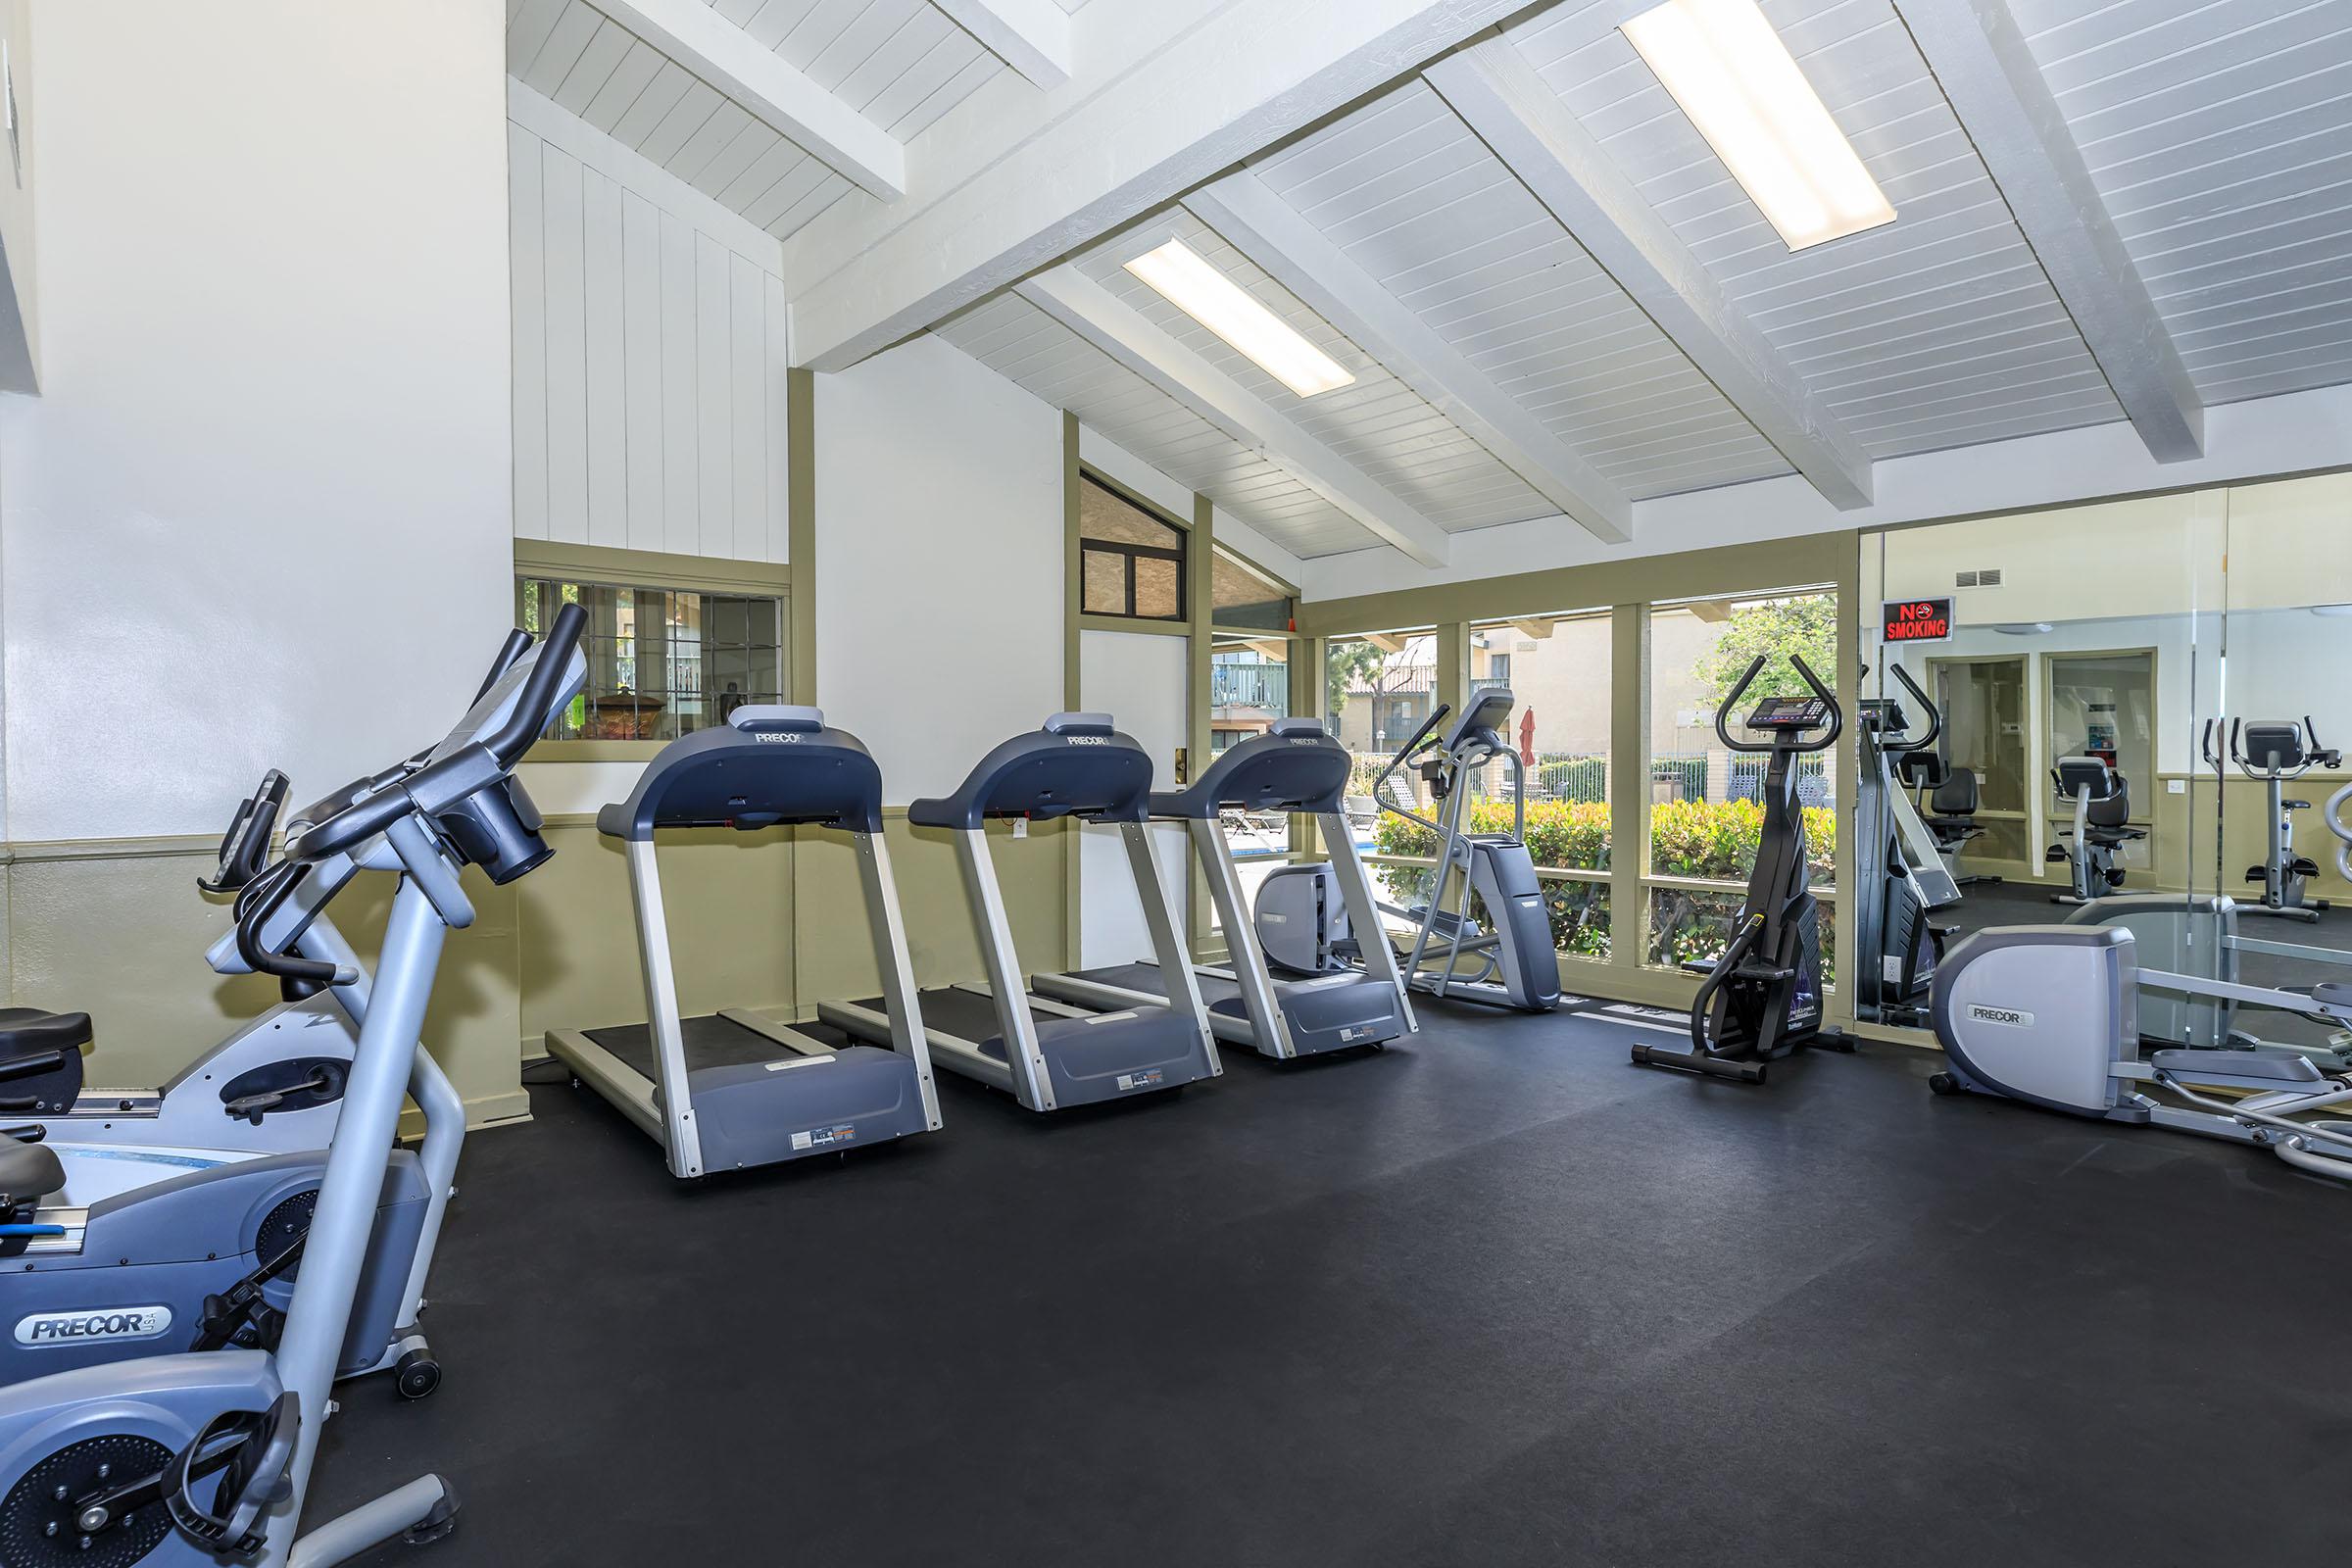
{"type": "Point", "coordinates": [1159, 589]}
{"type": "Point", "coordinates": [1706, 816]}
{"type": "Point", "coordinates": [1239, 596]}
{"type": "Point", "coordinates": [1103, 513]}
{"type": "Point", "coordinates": [1558, 668]}
{"type": "Point", "coordinates": [653, 671]}
{"type": "Point", "coordinates": [1106, 584]}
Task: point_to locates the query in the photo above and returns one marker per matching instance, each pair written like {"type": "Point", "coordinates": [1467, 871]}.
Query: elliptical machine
{"type": "Point", "coordinates": [196, 1458]}
{"type": "Point", "coordinates": [1762, 998]}
{"type": "Point", "coordinates": [1300, 912]}
{"type": "Point", "coordinates": [2276, 753]}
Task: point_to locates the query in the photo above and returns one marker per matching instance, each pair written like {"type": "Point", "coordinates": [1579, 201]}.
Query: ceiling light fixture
{"type": "Point", "coordinates": [1737, 80]}
{"type": "Point", "coordinates": [1226, 308]}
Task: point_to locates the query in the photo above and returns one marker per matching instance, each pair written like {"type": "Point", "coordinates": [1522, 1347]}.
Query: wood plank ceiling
{"type": "Point", "coordinates": [2218, 134]}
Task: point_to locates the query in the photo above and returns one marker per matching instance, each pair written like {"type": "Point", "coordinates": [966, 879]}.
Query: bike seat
{"type": "Point", "coordinates": [28, 1171]}
{"type": "Point", "coordinates": [25, 1030]}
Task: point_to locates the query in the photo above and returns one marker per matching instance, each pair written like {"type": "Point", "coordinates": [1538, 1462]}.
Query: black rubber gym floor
{"type": "Point", "coordinates": [1495, 1298]}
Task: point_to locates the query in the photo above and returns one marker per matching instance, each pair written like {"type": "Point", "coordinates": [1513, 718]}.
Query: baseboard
{"type": "Point", "coordinates": [505, 1109]}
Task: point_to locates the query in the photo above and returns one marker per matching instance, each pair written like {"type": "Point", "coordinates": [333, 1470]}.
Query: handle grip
{"type": "Point", "coordinates": [1731, 703]}
{"type": "Point", "coordinates": [1934, 717]}
{"type": "Point", "coordinates": [1829, 700]}
{"type": "Point", "coordinates": [529, 717]}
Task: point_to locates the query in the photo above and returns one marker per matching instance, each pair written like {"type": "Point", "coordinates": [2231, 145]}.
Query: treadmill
{"type": "Point", "coordinates": [1050, 1055]}
{"type": "Point", "coordinates": [1296, 767]}
{"type": "Point", "coordinates": [734, 1090]}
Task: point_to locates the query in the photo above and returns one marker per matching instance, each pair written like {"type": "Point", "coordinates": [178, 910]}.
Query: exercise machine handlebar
{"type": "Point", "coordinates": [1828, 699]}
{"type": "Point", "coordinates": [1928, 704]}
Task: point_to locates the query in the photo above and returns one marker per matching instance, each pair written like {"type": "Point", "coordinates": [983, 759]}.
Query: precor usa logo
{"type": "Point", "coordinates": [1088, 740]}
{"type": "Point", "coordinates": [110, 1324]}
{"type": "Point", "coordinates": [1978, 1012]}
{"type": "Point", "coordinates": [773, 737]}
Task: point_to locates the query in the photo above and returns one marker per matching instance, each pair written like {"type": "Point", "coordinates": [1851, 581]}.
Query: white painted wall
{"type": "Point", "coordinates": [648, 349]}
{"type": "Point", "coordinates": [939, 548]}
{"type": "Point", "coordinates": [1139, 679]}
{"type": "Point", "coordinates": [261, 513]}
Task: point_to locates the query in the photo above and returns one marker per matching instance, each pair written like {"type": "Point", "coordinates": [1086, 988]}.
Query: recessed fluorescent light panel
{"type": "Point", "coordinates": [1741, 88]}
{"type": "Point", "coordinates": [1226, 308]}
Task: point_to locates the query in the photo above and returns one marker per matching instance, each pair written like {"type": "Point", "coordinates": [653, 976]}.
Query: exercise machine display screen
{"type": "Point", "coordinates": [1790, 713]}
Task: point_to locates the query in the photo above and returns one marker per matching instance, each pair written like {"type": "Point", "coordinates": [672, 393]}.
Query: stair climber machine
{"type": "Point", "coordinates": [2276, 753]}
{"type": "Point", "coordinates": [1762, 998]}
{"type": "Point", "coordinates": [1294, 767]}
{"type": "Point", "coordinates": [1051, 1054]}
{"type": "Point", "coordinates": [1899, 894]}
{"type": "Point", "coordinates": [1306, 925]}
{"type": "Point", "coordinates": [223, 1164]}
{"type": "Point", "coordinates": [733, 1090]}
{"type": "Point", "coordinates": [199, 1458]}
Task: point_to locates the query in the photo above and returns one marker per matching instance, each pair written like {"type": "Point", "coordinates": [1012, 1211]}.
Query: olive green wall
{"type": "Point", "coordinates": [118, 930]}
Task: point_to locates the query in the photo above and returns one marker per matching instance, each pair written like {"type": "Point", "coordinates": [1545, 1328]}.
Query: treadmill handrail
{"type": "Point", "coordinates": [1090, 770]}
{"type": "Point", "coordinates": [1297, 765]}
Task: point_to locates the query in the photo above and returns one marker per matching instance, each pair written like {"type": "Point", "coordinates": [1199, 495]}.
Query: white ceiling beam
{"type": "Point", "coordinates": [1174, 101]}
{"type": "Point", "coordinates": [1493, 89]}
{"type": "Point", "coordinates": [1032, 36]}
{"type": "Point", "coordinates": [771, 88]}
{"type": "Point", "coordinates": [2003, 101]}
{"type": "Point", "coordinates": [1110, 324]}
{"type": "Point", "coordinates": [1302, 258]}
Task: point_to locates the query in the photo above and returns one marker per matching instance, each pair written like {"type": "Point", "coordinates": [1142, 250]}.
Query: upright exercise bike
{"type": "Point", "coordinates": [184, 1210]}
{"type": "Point", "coordinates": [189, 1460]}
{"type": "Point", "coordinates": [1762, 999]}
{"type": "Point", "coordinates": [2276, 753]}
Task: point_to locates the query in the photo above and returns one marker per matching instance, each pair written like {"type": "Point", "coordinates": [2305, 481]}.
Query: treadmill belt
{"type": "Point", "coordinates": [1144, 977]}
{"type": "Point", "coordinates": [966, 1014]}
{"type": "Point", "coordinates": [711, 1042]}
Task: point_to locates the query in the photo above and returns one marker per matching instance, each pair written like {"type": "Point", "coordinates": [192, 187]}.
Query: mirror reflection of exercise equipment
{"type": "Point", "coordinates": [2275, 752]}
{"type": "Point", "coordinates": [1910, 877]}
{"type": "Point", "coordinates": [2102, 802]}
{"type": "Point", "coordinates": [1947, 802]}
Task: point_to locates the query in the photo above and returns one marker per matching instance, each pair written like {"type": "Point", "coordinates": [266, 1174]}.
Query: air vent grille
{"type": "Point", "coordinates": [1986, 577]}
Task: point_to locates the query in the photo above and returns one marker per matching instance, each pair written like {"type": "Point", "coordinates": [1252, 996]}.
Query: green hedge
{"type": "Point", "coordinates": [1717, 840]}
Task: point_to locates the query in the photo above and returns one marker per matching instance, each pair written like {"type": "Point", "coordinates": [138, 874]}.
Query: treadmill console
{"type": "Point", "coordinates": [1792, 713]}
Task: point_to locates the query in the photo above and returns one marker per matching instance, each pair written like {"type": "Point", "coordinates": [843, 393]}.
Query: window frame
{"type": "Point", "coordinates": [612, 566]}
{"type": "Point", "coordinates": [1179, 556]}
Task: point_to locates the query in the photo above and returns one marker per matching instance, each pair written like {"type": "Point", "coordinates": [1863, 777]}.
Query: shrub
{"type": "Point", "coordinates": [1716, 840]}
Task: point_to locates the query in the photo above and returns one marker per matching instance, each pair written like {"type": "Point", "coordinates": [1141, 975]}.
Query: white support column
{"type": "Point", "coordinates": [1299, 256]}
{"type": "Point", "coordinates": [1095, 313]}
{"type": "Point", "coordinates": [2004, 103]}
{"type": "Point", "coordinates": [1493, 89]}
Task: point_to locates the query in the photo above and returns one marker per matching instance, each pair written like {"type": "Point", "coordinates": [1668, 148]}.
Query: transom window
{"type": "Point", "coordinates": [1132, 561]}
